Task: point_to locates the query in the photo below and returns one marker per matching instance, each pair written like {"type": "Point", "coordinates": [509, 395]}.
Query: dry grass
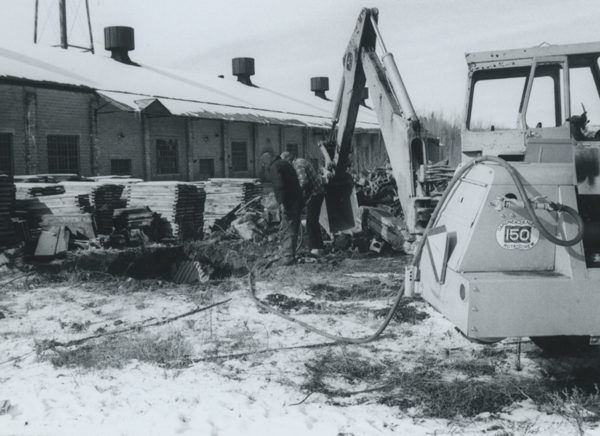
{"type": "Point", "coordinates": [446, 388]}
{"type": "Point", "coordinates": [576, 406]}
{"type": "Point", "coordinates": [116, 351]}
{"type": "Point", "coordinates": [407, 312]}
{"type": "Point", "coordinates": [287, 304]}
{"type": "Point", "coordinates": [367, 290]}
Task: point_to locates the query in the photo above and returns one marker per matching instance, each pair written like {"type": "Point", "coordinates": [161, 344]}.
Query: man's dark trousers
{"type": "Point", "coordinates": [313, 228]}
{"type": "Point", "coordinates": [290, 226]}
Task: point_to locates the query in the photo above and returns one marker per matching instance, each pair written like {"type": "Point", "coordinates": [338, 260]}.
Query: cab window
{"type": "Point", "coordinates": [495, 103]}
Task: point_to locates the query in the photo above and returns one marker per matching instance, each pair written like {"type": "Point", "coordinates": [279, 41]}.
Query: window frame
{"type": "Point", "coordinates": [212, 172]}
{"type": "Point", "coordinates": [117, 173]}
{"type": "Point", "coordinates": [293, 144]}
{"type": "Point", "coordinates": [11, 154]}
{"type": "Point", "coordinates": [246, 166]}
{"type": "Point", "coordinates": [160, 159]}
{"type": "Point", "coordinates": [55, 158]}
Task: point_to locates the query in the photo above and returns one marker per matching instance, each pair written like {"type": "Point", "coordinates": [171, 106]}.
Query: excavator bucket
{"type": "Point", "coordinates": [340, 209]}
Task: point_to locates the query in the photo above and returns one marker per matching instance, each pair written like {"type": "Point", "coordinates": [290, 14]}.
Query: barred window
{"type": "Point", "coordinates": [120, 167]}
{"type": "Point", "coordinates": [207, 169]}
{"type": "Point", "coordinates": [167, 157]}
{"type": "Point", "coordinates": [6, 153]}
{"type": "Point", "coordinates": [292, 147]}
{"type": "Point", "coordinates": [63, 154]}
{"type": "Point", "coordinates": [239, 156]}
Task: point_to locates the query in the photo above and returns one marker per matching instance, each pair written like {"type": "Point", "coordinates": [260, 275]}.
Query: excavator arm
{"type": "Point", "coordinates": [407, 144]}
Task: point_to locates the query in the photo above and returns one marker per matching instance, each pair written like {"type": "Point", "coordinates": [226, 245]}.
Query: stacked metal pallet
{"type": "Point", "coordinates": [181, 205]}
{"type": "Point", "coordinates": [224, 195]}
{"type": "Point", "coordinates": [106, 198]}
{"type": "Point", "coordinates": [7, 204]}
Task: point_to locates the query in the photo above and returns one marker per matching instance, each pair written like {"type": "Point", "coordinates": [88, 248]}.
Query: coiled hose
{"type": "Point", "coordinates": [419, 250]}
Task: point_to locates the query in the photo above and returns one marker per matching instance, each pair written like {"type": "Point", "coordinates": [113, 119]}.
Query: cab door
{"type": "Point", "coordinates": [546, 107]}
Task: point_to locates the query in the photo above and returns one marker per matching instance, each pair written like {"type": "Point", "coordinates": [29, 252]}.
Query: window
{"type": "Point", "coordinates": [63, 154]}
{"type": "Point", "coordinates": [120, 167]}
{"type": "Point", "coordinates": [239, 156]}
{"type": "Point", "coordinates": [167, 158]}
{"type": "Point", "coordinates": [207, 169]}
{"type": "Point", "coordinates": [495, 104]}
{"type": "Point", "coordinates": [6, 153]}
{"type": "Point", "coordinates": [584, 92]}
{"type": "Point", "coordinates": [540, 108]}
{"type": "Point", "coordinates": [292, 147]}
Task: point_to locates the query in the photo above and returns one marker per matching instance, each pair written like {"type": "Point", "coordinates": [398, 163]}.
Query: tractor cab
{"type": "Point", "coordinates": [539, 104]}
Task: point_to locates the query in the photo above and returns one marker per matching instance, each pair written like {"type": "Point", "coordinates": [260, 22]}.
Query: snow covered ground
{"type": "Point", "coordinates": [255, 393]}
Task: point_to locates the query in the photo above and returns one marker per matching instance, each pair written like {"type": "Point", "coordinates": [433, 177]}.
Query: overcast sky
{"type": "Point", "coordinates": [293, 40]}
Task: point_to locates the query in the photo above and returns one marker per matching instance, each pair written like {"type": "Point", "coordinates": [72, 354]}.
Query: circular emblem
{"type": "Point", "coordinates": [517, 235]}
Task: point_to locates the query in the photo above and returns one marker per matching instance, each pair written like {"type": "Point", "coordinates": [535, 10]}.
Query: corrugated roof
{"type": "Point", "coordinates": [182, 93]}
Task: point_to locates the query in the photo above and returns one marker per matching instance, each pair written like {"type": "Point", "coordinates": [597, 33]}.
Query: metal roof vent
{"type": "Point", "coordinates": [120, 40]}
{"type": "Point", "coordinates": [319, 85]}
{"type": "Point", "coordinates": [243, 68]}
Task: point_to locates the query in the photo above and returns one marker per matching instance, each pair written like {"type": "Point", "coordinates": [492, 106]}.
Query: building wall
{"type": "Point", "coordinates": [119, 137]}
{"type": "Point", "coordinates": [12, 120]}
{"type": "Point", "coordinates": [168, 128]}
{"type": "Point", "coordinates": [206, 140]}
{"type": "Point", "coordinates": [30, 114]}
{"type": "Point", "coordinates": [62, 112]}
{"type": "Point", "coordinates": [241, 133]}
{"type": "Point", "coordinates": [106, 133]}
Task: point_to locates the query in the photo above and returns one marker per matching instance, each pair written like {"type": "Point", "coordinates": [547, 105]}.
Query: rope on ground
{"type": "Point", "coordinates": [52, 343]}
{"type": "Point", "coordinates": [262, 351]}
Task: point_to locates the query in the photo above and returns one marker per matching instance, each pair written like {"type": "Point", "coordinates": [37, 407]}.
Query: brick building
{"type": "Point", "coordinates": [63, 111]}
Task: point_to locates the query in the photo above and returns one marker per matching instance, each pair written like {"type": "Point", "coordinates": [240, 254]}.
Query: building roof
{"type": "Point", "coordinates": [135, 88]}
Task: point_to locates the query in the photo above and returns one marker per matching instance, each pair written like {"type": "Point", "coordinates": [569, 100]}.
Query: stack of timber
{"type": "Point", "coordinates": [79, 188]}
{"type": "Point", "coordinates": [224, 195]}
{"type": "Point", "coordinates": [31, 190]}
{"type": "Point", "coordinates": [106, 199]}
{"type": "Point", "coordinates": [180, 205]}
{"type": "Point", "coordinates": [7, 204]}
{"type": "Point", "coordinates": [32, 210]}
{"type": "Point", "coordinates": [385, 225]}
{"type": "Point", "coordinates": [132, 218]}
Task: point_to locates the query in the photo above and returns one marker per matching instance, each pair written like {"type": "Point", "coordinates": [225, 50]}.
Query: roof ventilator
{"type": "Point", "coordinates": [120, 40]}
{"type": "Point", "coordinates": [319, 85]}
{"type": "Point", "coordinates": [243, 68]}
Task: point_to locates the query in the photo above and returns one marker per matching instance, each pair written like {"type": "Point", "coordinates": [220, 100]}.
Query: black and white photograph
{"type": "Point", "coordinates": [299, 217]}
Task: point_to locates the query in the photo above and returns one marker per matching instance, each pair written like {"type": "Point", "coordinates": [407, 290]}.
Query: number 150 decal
{"type": "Point", "coordinates": [517, 234]}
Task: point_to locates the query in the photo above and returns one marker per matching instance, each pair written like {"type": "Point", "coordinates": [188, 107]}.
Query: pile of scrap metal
{"type": "Point", "coordinates": [376, 188]}
{"type": "Point", "coordinates": [246, 220]}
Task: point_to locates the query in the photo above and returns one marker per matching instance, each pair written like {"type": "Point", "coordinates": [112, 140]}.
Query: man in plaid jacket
{"type": "Point", "coordinates": [313, 191]}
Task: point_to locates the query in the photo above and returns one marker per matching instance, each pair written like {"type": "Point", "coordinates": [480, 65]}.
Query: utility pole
{"type": "Point", "coordinates": [35, 23]}
{"type": "Point", "coordinates": [89, 21]}
{"type": "Point", "coordinates": [62, 9]}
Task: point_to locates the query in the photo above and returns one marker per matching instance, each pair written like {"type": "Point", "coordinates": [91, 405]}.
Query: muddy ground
{"type": "Point", "coordinates": [236, 368]}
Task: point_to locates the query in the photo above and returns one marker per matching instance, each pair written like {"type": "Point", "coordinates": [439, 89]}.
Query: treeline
{"type": "Point", "coordinates": [447, 129]}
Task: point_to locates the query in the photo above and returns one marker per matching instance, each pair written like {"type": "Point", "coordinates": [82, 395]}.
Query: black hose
{"type": "Point", "coordinates": [419, 250]}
